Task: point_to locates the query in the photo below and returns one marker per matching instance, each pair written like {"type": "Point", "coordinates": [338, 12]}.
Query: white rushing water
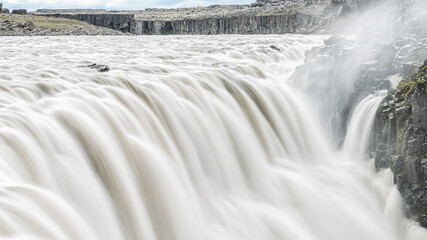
{"type": "Point", "coordinates": [186, 138]}
{"type": "Point", "coordinates": [359, 128]}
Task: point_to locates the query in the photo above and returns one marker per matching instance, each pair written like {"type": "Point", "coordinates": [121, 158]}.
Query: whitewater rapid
{"type": "Point", "coordinates": [186, 138]}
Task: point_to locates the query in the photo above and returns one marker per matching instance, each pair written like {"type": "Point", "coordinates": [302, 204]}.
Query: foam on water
{"type": "Point", "coordinates": [186, 138]}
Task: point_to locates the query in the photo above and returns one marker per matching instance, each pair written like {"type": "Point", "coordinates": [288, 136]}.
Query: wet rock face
{"type": "Point", "coordinates": [355, 69]}
{"type": "Point", "coordinates": [401, 141]}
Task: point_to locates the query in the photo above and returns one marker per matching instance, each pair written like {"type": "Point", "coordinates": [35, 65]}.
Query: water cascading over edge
{"type": "Point", "coordinates": [159, 149]}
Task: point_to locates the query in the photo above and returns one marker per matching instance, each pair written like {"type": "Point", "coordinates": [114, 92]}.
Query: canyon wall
{"type": "Point", "coordinates": [121, 22]}
{"type": "Point", "coordinates": [245, 24]}
{"type": "Point", "coordinates": [269, 24]}
{"type": "Point", "coordinates": [400, 138]}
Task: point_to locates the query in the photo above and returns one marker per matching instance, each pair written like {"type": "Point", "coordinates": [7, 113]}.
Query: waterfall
{"type": "Point", "coordinates": [361, 123]}
{"type": "Point", "coordinates": [186, 138]}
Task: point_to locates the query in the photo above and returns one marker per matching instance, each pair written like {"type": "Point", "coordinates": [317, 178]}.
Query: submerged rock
{"type": "Point", "coordinates": [274, 47]}
{"type": "Point", "coordinates": [100, 68]}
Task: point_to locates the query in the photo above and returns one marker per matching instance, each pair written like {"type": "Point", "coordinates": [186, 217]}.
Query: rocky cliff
{"type": "Point", "coordinates": [277, 17]}
{"type": "Point", "coordinates": [244, 24]}
{"type": "Point", "coordinates": [121, 22]}
{"type": "Point", "coordinates": [400, 139]}
{"type": "Point", "coordinates": [269, 24]}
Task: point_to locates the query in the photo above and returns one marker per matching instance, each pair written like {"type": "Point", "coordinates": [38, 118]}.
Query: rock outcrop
{"type": "Point", "coordinates": [272, 24]}
{"type": "Point", "coordinates": [354, 69]}
{"type": "Point", "coordinates": [99, 67]}
{"type": "Point", "coordinates": [400, 139]}
{"type": "Point", "coordinates": [120, 22]}
{"type": "Point", "coordinates": [29, 25]}
{"type": "Point", "coordinates": [19, 11]}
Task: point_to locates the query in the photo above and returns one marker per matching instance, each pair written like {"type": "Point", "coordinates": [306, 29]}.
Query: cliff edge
{"type": "Point", "coordinates": [401, 140]}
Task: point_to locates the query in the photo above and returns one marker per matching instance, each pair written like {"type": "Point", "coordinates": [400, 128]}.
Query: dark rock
{"type": "Point", "coordinates": [19, 11]}
{"type": "Point", "coordinates": [245, 24]}
{"type": "Point", "coordinates": [274, 47]}
{"type": "Point", "coordinates": [20, 25]}
{"type": "Point", "coordinates": [257, 4]}
{"type": "Point", "coordinates": [99, 68]}
{"type": "Point", "coordinates": [402, 125]}
{"type": "Point", "coordinates": [121, 22]}
{"type": "Point", "coordinates": [124, 25]}
{"type": "Point", "coordinates": [29, 25]}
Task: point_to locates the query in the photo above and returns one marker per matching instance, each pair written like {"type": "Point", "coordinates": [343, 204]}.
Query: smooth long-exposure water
{"type": "Point", "coordinates": [186, 138]}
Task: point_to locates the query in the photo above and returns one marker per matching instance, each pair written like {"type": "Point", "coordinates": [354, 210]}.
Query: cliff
{"type": "Point", "coordinates": [401, 141]}
{"type": "Point", "coordinates": [269, 24]}
{"type": "Point", "coordinates": [120, 22]}
{"type": "Point", "coordinates": [277, 17]}
{"type": "Point", "coordinates": [244, 24]}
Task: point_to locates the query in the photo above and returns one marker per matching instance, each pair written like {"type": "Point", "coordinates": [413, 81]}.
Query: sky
{"type": "Point", "coordinates": [115, 4]}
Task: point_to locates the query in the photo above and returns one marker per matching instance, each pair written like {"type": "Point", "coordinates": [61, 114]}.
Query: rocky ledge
{"type": "Point", "coordinates": [29, 25]}
{"type": "Point", "coordinates": [401, 140]}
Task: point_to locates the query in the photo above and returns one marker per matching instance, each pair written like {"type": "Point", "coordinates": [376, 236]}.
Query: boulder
{"type": "Point", "coordinates": [29, 25]}
{"type": "Point", "coordinates": [99, 67]}
{"type": "Point", "coordinates": [274, 47]}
